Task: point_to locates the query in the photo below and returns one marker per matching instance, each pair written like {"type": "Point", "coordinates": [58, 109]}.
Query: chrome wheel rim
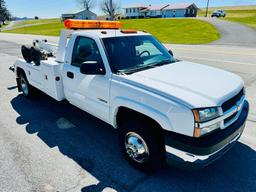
{"type": "Point", "coordinates": [24, 86]}
{"type": "Point", "coordinates": [136, 147]}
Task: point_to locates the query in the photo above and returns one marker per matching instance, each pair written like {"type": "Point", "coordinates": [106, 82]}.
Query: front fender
{"type": "Point", "coordinates": [159, 117]}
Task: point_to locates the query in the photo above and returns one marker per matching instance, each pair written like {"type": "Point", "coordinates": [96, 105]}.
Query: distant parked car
{"type": "Point", "coordinates": [219, 13]}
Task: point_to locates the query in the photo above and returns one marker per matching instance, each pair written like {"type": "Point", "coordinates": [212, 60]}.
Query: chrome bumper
{"type": "Point", "coordinates": [200, 152]}
{"type": "Point", "coordinates": [185, 158]}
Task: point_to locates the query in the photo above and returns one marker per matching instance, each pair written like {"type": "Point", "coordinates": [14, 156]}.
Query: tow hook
{"type": "Point", "coordinates": [12, 68]}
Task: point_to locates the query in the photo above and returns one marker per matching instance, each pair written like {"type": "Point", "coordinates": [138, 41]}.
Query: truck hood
{"type": "Point", "coordinates": [191, 84]}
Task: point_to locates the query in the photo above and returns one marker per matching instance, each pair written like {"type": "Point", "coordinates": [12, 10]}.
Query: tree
{"type": "Point", "coordinates": [87, 4]}
{"type": "Point", "coordinates": [110, 8]}
{"type": "Point", "coordinates": [2, 10]}
{"type": "Point", "coordinates": [4, 13]}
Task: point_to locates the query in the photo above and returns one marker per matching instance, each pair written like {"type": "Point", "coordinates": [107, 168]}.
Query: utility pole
{"type": "Point", "coordinates": [207, 7]}
{"type": "Point", "coordinates": [111, 9]}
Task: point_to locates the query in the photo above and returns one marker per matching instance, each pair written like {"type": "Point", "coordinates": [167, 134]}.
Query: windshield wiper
{"type": "Point", "coordinates": [136, 69]}
{"type": "Point", "coordinates": [144, 67]}
{"type": "Point", "coordinates": [164, 62]}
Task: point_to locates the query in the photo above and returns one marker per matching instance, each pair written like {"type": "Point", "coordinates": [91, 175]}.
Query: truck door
{"type": "Point", "coordinates": [88, 92]}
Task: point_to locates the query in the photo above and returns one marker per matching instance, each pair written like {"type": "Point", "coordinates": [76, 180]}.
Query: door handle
{"type": "Point", "coordinates": [70, 75]}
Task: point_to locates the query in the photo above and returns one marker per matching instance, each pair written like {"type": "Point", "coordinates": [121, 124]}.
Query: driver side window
{"type": "Point", "coordinates": [85, 49]}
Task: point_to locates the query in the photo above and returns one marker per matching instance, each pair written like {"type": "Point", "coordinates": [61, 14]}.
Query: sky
{"type": "Point", "coordinates": [54, 8]}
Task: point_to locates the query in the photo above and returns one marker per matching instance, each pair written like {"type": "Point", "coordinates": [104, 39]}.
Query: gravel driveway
{"type": "Point", "coordinates": [233, 33]}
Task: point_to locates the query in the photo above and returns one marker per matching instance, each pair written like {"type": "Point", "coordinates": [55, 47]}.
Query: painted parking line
{"type": "Point", "coordinates": [219, 60]}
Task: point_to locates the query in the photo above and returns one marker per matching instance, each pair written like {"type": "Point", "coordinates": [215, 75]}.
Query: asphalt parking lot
{"type": "Point", "coordinates": [50, 146]}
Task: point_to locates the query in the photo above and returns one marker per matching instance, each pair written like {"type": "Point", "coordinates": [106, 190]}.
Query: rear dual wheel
{"type": "Point", "coordinates": [26, 88]}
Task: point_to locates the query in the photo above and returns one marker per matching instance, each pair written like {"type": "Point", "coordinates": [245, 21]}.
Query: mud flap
{"type": "Point", "coordinates": [18, 84]}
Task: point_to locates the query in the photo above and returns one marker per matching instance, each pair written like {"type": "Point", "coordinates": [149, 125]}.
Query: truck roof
{"type": "Point", "coordinates": [108, 33]}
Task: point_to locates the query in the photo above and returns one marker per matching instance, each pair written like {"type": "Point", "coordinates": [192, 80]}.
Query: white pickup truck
{"type": "Point", "coordinates": [163, 108]}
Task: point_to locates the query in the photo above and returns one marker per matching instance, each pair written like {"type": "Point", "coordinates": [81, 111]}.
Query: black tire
{"type": "Point", "coordinates": [26, 53]}
{"type": "Point", "coordinates": [26, 88]}
{"type": "Point", "coordinates": [151, 135]}
{"type": "Point", "coordinates": [36, 55]}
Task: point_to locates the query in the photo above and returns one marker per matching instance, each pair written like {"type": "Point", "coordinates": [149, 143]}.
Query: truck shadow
{"type": "Point", "coordinates": [93, 145]}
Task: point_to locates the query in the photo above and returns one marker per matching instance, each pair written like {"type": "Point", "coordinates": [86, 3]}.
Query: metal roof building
{"type": "Point", "coordinates": [79, 14]}
{"type": "Point", "coordinates": [161, 11]}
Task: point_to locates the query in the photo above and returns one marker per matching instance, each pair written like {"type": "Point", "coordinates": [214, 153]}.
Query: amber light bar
{"type": "Point", "coordinates": [91, 24]}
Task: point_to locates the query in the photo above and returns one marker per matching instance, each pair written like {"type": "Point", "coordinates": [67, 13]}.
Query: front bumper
{"type": "Point", "coordinates": [200, 152]}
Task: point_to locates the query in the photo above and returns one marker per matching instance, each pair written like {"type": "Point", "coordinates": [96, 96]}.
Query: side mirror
{"type": "Point", "coordinates": [92, 68]}
{"type": "Point", "coordinates": [171, 53]}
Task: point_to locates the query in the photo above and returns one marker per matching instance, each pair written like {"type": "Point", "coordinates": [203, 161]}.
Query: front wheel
{"type": "Point", "coordinates": [141, 144]}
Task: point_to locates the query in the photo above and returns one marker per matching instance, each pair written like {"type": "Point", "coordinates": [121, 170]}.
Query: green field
{"type": "Point", "coordinates": [36, 22]}
{"type": "Point", "coordinates": [243, 14]}
{"type": "Point", "coordinates": [183, 31]}
{"type": "Point", "coordinates": [2, 26]}
{"type": "Point", "coordinates": [49, 27]}
{"type": "Point", "coordinates": [247, 17]}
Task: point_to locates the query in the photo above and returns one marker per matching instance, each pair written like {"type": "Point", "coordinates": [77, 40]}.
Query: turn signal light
{"type": "Point", "coordinates": [197, 132]}
{"type": "Point", "coordinates": [128, 31]}
{"type": "Point", "coordinates": [91, 24]}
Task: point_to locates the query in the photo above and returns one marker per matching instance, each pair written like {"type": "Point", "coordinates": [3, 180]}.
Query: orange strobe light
{"type": "Point", "coordinates": [91, 24]}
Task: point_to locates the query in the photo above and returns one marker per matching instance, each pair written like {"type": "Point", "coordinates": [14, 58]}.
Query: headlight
{"type": "Point", "coordinates": [202, 116]}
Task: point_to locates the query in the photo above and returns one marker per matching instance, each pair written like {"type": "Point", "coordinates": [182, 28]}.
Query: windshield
{"type": "Point", "coordinates": [136, 53]}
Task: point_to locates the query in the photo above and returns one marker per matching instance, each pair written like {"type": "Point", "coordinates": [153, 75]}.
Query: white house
{"type": "Point", "coordinates": [135, 11]}
{"type": "Point", "coordinates": [161, 11]}
{"type": "Point", "coordinates": [155, 11]}
{"type": "Point", "coordinates": [80, 14]}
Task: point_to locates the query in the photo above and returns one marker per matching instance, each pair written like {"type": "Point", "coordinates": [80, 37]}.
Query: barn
{"type": "Point", "coordinates": [80, 14]}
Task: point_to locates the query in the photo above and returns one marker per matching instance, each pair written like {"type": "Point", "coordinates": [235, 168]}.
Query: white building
{"type": "Point", "coordinates": [161, 11]}
{"type": "Point", "coordinates": [80, 14]}
{"type": "Point", "coordinates": [155, 11]}
{"type": "Point", "coordinates": [180, 10]}
{"type": "Point", "coordinates": [135, 11]}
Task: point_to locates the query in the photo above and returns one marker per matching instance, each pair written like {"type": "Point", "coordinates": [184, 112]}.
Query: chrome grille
{"type": "Point", "coordinates": [229, 111]}
{"type": "Point", "coordinates": [230, 118]}
{"type": "Point", "coordinates": [232, 108]}
{"type": "Point", "coordinates": [232, 102]}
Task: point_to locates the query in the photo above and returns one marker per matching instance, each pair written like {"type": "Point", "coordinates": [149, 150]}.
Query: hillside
{"type": "Point", "coordinates": [242, 14]}
{"type": "Point", "coordinates": [183, 31]}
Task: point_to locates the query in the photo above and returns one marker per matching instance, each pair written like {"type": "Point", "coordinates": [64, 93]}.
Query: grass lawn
{"type": "Point", "coordinates": [2, 26]}
{"type": "Point", "coordinates": [49, 27]}
{"type": "Point", "coordinates": [40, 21]}
{"type": "Point", "coordinates": [247, 17]}
{"type": "Point", "coordinates": [183, 31]}
{"type": "Point", "coordinates": [242, 14]}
